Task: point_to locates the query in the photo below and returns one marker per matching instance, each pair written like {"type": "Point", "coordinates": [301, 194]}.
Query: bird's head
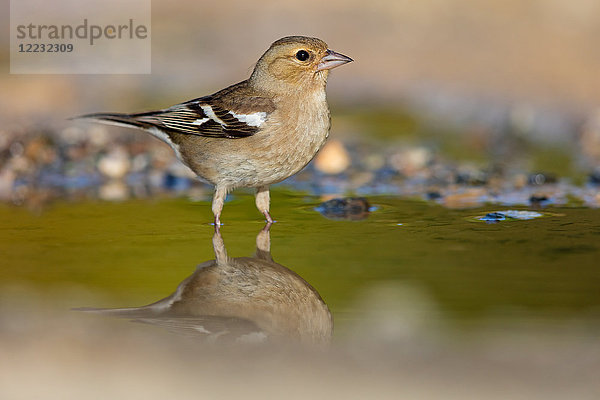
{"type": "Point", "coordinates": [295, 63]}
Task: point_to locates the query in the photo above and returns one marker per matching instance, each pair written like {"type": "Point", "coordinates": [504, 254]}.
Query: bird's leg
{"type": "Point", "coordinates": [262, 202]}
{"type": "Point", "coordinates": [219, 247]}
{"type": "Point", "coordinates": [217, 204]}
{"type": "Point", "coordinates": [263, 244]}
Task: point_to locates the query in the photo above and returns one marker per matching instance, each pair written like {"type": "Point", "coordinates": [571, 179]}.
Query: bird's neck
{"type": "Point", "coordinates": [302, 86]}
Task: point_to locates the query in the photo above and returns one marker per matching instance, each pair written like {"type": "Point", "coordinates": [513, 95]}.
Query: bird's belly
{"type": "Point", "coordinates": [266, 165]}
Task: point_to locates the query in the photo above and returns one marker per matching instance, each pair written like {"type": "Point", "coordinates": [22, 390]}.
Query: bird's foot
{"type": "Point", "coordinates": [268, 217]}
{"type": "Point", "coordinates": [217, 224]}
{"type": "Point", "coordinates": [267, 227]}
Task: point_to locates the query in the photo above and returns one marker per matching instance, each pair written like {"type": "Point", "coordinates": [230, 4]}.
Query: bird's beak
{"type": "Point", "coordinates": [332, 60]}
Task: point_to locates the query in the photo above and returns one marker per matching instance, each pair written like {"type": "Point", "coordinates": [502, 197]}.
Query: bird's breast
{"type": "Point", "coordinates": [288, 139]}
{"type": "Point", "coordinates": [296, 135]}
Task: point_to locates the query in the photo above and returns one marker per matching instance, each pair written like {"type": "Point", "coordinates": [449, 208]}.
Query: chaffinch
{"type": "Point", "coordinates": [254, 133]}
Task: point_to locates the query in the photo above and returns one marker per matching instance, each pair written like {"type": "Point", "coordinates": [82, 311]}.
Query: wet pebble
{"type": "Point", "coordinates": [470, 197]}
{"type": "Point", "coordinates": [115, 164]}
{"type": "Point", "coordinates": [40, 150]}
{"type": "Point", "coordinates": [522, 215]}
{"type": "Point", "coordinates": [590, 138]}
{"type": "Point", "coordinates": [7, 179]}
{"type": "Point", "coordinates": [140, 162]}
{"type": "Point", "coordinates": [539, 199]}
{"type": "Point", "coordinates": [16, 149]}
{"type": "Point", "coordinates": [361, 179]}
{"type": "Point", "coordinates": [433, 195]}
{"type": "Point", "coordinates": [114, 191]}
{"type": "Point", "coordinates": [333, 158]}
{"type": "Point", "coordinates": [373, 161]}
{"type": "Point", "coordinates": [594, 177]}
{"type": "Point", "coordinates": [493, 217]}
{"type": "Point", "coordinates": [385, 173]}
{"type": "Point", "coordinates": [73, 135]}
{"type": "Point", "coordinates": [410, 161]}
{"type": "Point", "coordinates": [176, 183]}
{"type": "Point", "coordinates": [471, 176]}
{"type": "Point", "coordinates": [350, 208]}
{"type": "Point", "coordinates": [541, 178]}
{"type": "Point", "coordinates": [497, 216]}
{"type": "Point", "coordinates": [180, 170]}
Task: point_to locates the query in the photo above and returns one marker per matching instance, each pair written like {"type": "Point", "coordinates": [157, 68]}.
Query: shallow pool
{"type": "Point", "coordinates": [424, 265]}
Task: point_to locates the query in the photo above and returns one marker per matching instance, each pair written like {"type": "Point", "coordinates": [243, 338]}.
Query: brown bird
{"type": "Point", "coordinates": [240, 300]}
{"type": "Point", "coordinates": [254, 133]}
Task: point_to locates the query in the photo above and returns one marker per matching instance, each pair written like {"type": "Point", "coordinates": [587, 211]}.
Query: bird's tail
{"type": "Point", "coordinates": [133, 312]}
{"type": "Point", "coordinates": [126, 120]}
{"type": "Point", "coordinates": [147, 121]}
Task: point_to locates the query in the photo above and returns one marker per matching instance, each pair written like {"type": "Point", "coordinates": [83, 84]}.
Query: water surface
{"type": "Point", "coordinates": [407, 257]}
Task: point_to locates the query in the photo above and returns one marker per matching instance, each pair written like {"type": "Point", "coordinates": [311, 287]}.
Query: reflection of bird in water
{"type": "Point", "coordinates": [244, 299]}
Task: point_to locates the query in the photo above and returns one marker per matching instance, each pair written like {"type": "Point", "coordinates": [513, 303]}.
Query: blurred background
{"type": "Point", "coordinates": [451, 111]}
{"type": "Point", "coordinates": [540, 53]}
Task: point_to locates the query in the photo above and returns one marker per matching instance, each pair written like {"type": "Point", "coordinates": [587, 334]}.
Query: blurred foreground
{"type": "Point", "coordinates": [56, 355]}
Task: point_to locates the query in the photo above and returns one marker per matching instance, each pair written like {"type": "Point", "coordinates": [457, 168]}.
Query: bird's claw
{"type": "Point", "coordinates": [267, 227]}
{"type": "Point", "coordinates": [217, 224]}
{"type": "Point", "coordinates": [268, 217]}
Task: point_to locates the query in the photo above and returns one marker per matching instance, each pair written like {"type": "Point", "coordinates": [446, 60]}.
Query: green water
{"type": "Point", "coordinates": [136, 252]}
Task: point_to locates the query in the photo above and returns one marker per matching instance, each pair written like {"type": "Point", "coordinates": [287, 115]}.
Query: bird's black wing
{"type": "Point", "coordinates": [207, 116]}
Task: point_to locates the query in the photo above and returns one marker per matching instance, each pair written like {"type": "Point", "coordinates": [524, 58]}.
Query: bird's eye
{"type": "Point", "coordinates": [302, 55]}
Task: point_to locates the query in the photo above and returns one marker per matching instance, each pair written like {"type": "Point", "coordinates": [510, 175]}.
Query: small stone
{"type": "Point", "coordinates": [374, 161]}
{"type": "Point", "coordinates": [471, 176]}
{"type": "Point", "coordinates": [595, 177]}
{"type": "Point", "coordinates": [471, 197]}
{"type": "Point", "coordinates": [181, 170]}
{"type": "Point", "coordinates": [98, 136]}
{"type": "Point", "coordinates": [156, 178]}
{"type": "Point", "coordinates": [73, 135]}
{"type": "Point", "coordinates": [361, 178]}
{"type": "Point", "coordinates": [433, 195]}
{"type": "Point", "coordinates": [538, 199]}
{"type": "Point", "coordinates": [351, 208]}
{"type": "Point", "coordinates": [114, 191]}
{"type": "Point", "coordinates": [493, 217]}
{"type": "Point", "coordinates": [497, 216]}
{"type": "Point", "coordinates": [5, 140]}
{"type": "Point", "coordinates": [162, 155]}
{"type": "Point", "coordinates": [40, 150]}
{"type": "Point", "coordinates": [115, 164]}
{"type": "Point", "coordinates": [7, 179]}
{"type": "Point", "coordinates": [520, 181]}
{"type": "Point", "coordinates": [140, 162]}
{"type": "Point", "coordinates": [16, 149]}
{"type": "Point", "coordinates": [21, 165]}
{"type": "Point", "coordinates": [541, 178]}
{"type": "Point", "coordinates": [333, 159]}
{"type": "Point", "coordinates": [176, 183]}
{"type": "Point", "coordinates": [409, 161]}
{"type": "Point", "coordinates": [521, 215]}
{"type": "Point", "coordinates": [589, 138]}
